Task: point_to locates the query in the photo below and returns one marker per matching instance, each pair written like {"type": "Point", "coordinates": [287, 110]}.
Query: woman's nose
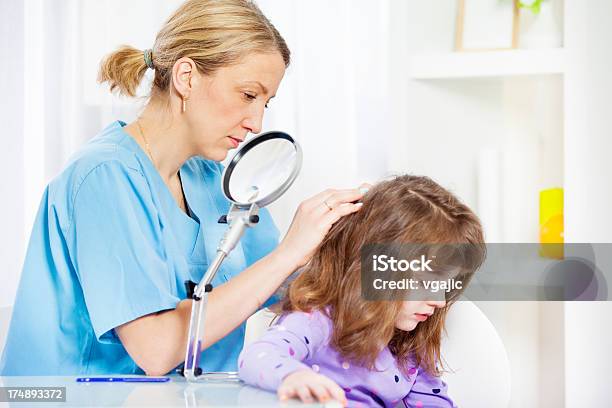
{"type": "Point", "coordinates": [253, 122]}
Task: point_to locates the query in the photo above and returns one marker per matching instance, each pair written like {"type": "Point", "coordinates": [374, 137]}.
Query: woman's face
{"type": "Point", "coordinates": [414, 312]}
{"type": "Point", "coordinates": [223, 108]}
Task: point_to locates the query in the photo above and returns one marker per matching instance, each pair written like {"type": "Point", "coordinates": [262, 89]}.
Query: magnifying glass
{"type": "Point", "coordinates": [258, 174]}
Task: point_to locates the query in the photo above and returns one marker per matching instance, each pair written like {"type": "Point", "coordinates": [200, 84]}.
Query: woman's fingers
{"type": "Point", "coordinates": [333, 198]}
{"type": "Point", "coordinates": [342, 197]}
{"type": "Point", "coordinates": [312, 222]}
{"type": "Point", "coordinates": [338, 200]}
{"type": "Point", "coordinates": [332, 216]}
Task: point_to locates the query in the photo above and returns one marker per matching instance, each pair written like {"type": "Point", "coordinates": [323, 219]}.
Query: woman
{"type": "Point", "coordinates": [134, 214]}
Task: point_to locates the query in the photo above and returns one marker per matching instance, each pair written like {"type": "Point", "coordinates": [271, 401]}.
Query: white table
{"type": "Point", "coordinates": [175, 393]}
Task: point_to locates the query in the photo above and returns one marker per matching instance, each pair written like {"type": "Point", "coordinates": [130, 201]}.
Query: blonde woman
{"type": "Point", "coordinates": [133, 214]}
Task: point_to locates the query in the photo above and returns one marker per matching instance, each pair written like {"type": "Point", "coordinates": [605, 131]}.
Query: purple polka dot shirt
{"type": "Point", "coordinates": [301, 341]}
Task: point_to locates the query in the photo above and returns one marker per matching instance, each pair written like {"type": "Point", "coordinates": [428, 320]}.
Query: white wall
{"type": "Point", "coordinates": [588, 192]}
{"type": "Point", "coordinates": [12, 234]}
{"type": "Point", "coordinates": [334, 98]}
{"type": "Point", "coordinates": [439, 127]}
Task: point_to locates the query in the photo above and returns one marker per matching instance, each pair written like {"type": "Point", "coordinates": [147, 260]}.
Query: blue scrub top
{"type": "Point", "coordinates": [110, 245]}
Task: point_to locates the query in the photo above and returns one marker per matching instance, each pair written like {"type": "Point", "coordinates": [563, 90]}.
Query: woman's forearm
{"type": "Point", "coordinates": [157, 342]}
{"type": "Point", "coordinates": [232, 303]}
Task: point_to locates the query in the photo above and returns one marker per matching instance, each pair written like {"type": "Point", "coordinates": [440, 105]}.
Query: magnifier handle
{"type": "Point", "coordinates": [232, 236]}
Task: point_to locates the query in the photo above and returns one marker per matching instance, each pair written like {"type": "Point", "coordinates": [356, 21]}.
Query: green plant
{"type": "Point", "coordinates": [534, 6]}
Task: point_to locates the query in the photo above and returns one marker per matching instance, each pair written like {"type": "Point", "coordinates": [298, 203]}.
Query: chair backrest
{"type": "Point", "coordinates": [476, 354]}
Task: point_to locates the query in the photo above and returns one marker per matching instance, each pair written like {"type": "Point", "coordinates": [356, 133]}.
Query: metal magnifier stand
{"type": "Point", "coordinates": [259, 173]}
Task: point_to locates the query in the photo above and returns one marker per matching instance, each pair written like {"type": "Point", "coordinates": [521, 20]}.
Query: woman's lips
{"type": "Point", "coordinates": [235, 142]}
{"type": "Point", "coordinates": [421, 317]}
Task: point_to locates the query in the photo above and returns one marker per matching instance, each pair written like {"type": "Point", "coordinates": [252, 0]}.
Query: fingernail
{"type": "Point", "coordinates": [359, 204]}
{"type": "Point", "coordinates": [364, 190]}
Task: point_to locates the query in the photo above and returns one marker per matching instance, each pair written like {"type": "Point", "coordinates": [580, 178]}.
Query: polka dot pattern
{"type": "Point", "coordinates": [385, 385]}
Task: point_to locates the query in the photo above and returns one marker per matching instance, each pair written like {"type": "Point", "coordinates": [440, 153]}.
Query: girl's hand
{"type": "Point", "coordinates": [313, 219]}
{"type": "Point", "coordinates": [310, 386]}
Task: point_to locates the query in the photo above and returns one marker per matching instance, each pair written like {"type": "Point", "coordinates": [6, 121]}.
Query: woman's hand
{"type": "Point", "coordinates": [309, 386]}
{"type": "Point", "coordinates": [313, 219]}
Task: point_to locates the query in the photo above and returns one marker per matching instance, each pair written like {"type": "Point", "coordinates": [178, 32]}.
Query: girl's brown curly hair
{"type": "Point", "coordinates": [405, 209]}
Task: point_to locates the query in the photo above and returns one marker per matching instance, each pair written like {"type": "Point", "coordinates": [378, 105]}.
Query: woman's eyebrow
{"type": "Point", "coordinates": [263, 88]}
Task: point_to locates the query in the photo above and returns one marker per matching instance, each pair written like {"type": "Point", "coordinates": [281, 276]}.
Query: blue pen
{"type": "Point", "coordinates": [123, 379]}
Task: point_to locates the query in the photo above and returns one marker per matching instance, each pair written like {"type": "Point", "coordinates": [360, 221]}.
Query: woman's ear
{"type": "Point", "coordinates": [182, 72]}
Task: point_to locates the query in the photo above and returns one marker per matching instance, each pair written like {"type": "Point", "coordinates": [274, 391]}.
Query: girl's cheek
{"type": "Point", "coordinates": [406, 324]}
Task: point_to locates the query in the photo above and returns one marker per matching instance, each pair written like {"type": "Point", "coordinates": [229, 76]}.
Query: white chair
{"type": "Point", "coordinates": [476, 354]}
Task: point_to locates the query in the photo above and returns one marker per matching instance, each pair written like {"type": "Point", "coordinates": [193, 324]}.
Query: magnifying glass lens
{"type": "Point", "coordinates": [262, 169]}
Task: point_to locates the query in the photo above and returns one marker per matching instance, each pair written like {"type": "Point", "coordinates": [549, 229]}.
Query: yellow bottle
{"type": "Point", "coordinates": [551, 223]}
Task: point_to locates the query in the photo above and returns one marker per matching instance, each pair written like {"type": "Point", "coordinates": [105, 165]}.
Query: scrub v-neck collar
{"type": "Point", "coordinates": [162, 186]}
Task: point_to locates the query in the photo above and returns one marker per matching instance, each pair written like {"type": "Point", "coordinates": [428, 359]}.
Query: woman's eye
{"type": "Point", "coordinates": [250, 97]}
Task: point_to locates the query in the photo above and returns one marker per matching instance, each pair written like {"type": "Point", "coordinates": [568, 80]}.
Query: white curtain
{"type": "Point", "coordinates": [333, 98]}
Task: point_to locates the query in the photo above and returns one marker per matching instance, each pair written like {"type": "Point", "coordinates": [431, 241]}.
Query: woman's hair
{"type": "Point", "coordinates": [405, 209]}
{"type": "Point", "coordinates": [213, 33]}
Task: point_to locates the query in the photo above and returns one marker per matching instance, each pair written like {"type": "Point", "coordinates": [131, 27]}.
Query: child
{"type": "Point", "coordinates": [330, 343]}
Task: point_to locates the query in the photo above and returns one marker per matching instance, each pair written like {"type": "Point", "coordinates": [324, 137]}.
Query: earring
{"type": "Point", "coordinates": [184, 104]}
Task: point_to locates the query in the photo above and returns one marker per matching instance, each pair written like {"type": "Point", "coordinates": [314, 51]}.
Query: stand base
{"type": "Point", "coordinates": [218, 376]}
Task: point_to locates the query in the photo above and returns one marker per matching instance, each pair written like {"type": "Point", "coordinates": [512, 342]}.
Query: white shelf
{"type": "Point", "coordinates": [475, 64]}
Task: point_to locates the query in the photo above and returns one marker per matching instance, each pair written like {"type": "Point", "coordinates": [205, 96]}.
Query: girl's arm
{"type": "Point", "coordinates": [277, 360]}
{"type": "Point", "coordinates": [428, 391]}
{"type": "Point", "coordinates": [283, 349]}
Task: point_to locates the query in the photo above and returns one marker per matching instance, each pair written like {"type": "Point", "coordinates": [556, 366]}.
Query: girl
{"type": "Point", "coordinates": [330, 343]}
